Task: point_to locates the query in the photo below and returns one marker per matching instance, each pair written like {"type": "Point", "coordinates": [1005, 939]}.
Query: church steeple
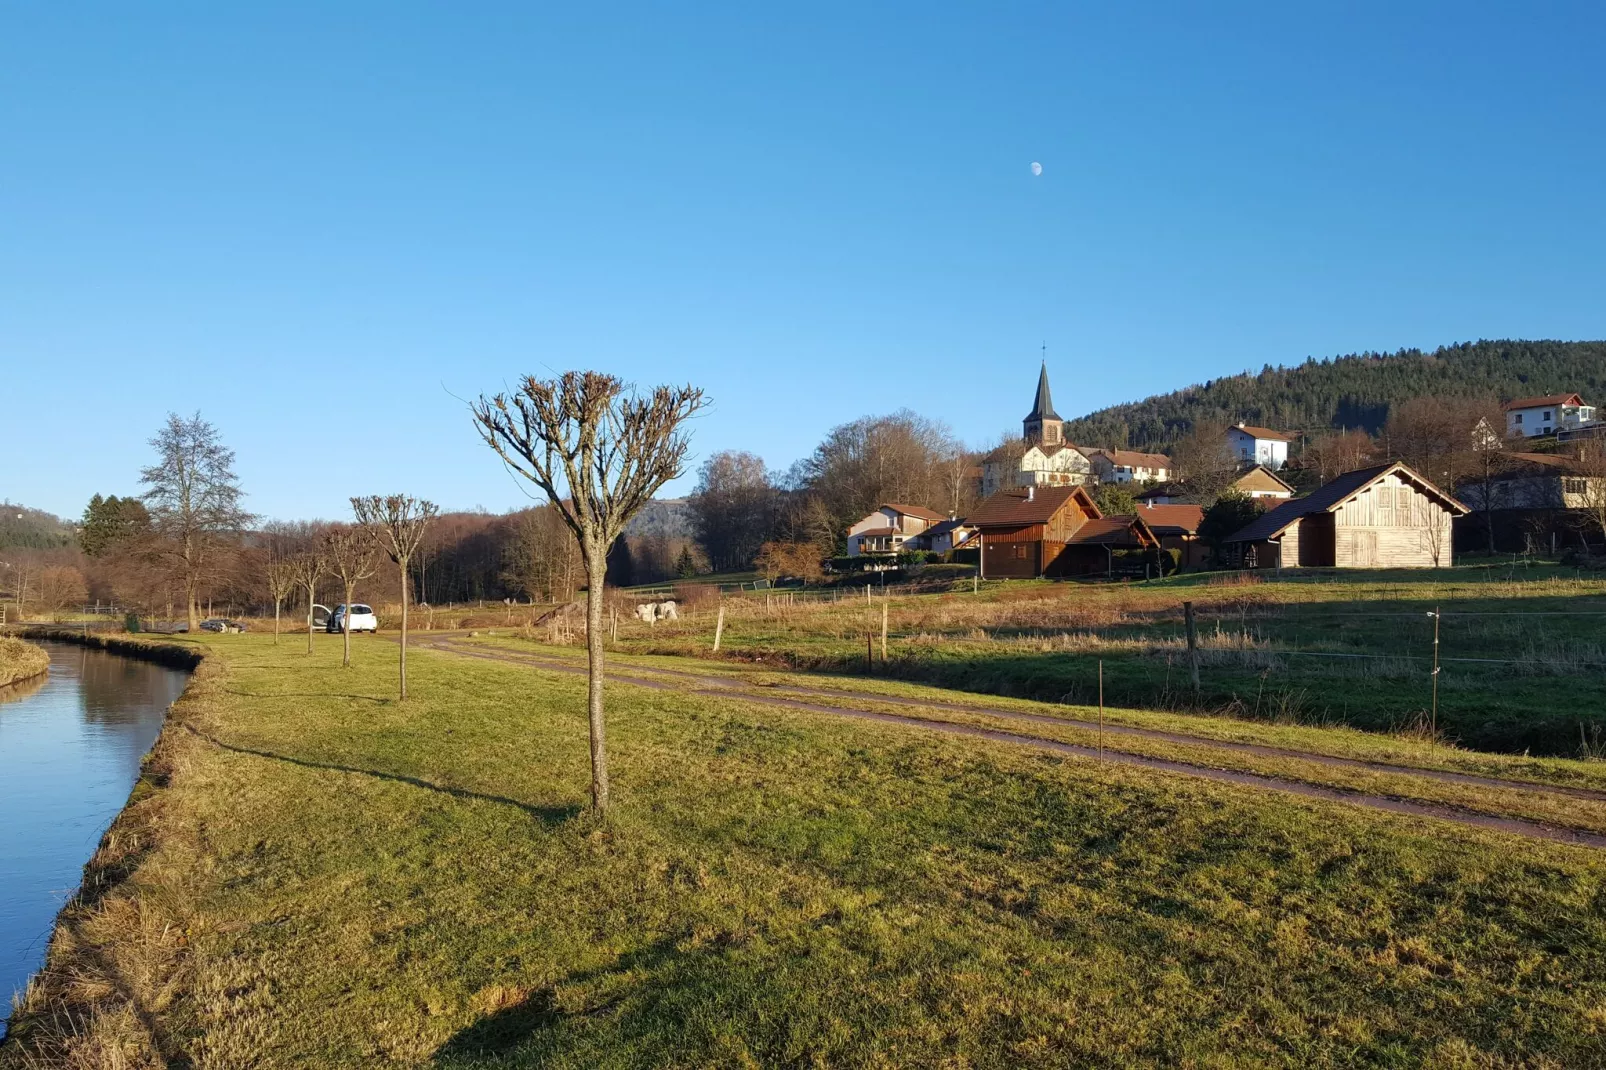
{"type": "Point", "coordinates": [1043, 425]}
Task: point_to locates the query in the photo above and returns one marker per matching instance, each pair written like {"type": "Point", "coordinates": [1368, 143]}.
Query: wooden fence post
{"type": "Point", "coordinates": [614, 617]}
{"type": "Point", "coordinates": [719, 628]}
{"type": "Point", "coordinates": [883, 632]}
{"type": "Point", "coordinates": [1193, 645]}
{"type": "Point", "coordinates": [869, 653]}
{"type": "Point", "coordinates": [1101, 709]}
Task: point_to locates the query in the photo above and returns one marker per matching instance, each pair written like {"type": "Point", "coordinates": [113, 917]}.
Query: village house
{"type": "Point", "coordinates": [1128, 466]}
{"type": "Point", "coordinates": [1386, 516]}
{"type": "Point", "coordinates": [1534, 500]}
{"type": "Point", "coordinates": [886, 530]}
{"type": "Point", "coordinates": [1532, 417]}
{"type": "Point", "coordinates": [1052, 531]}
{"type": "Point", "coordinates": [1046, 460]}
{"type": "Point", "coordinates": [1258, 445]}
{"type": "Point", "coordinates": [951, 534]}
{"type": "Point", "coordinates": [1257, 482]}
{"type": "Point", "coordinates": [1177, 528]}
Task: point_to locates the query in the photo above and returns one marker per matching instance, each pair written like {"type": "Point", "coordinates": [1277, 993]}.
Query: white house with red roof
{"type": "Point", "coordinates": [1258, 445]}
{"type": "Point", "coordinates": [887, 529]}
{"type": "Point", "coordinates": [1531, 417]}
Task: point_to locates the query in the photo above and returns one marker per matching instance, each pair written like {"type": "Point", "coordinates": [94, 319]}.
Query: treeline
{"type": "Point", "coordinates": [1358, 391]}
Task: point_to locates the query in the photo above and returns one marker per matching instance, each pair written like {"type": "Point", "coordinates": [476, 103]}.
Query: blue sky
{"type": "Point", "coordinates": [289, 215]}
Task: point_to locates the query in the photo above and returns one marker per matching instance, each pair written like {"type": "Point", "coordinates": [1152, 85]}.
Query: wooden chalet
{"type": "Point", "coordinates": [1052, 531]}
{"type": "Point", "coordinates": [1386, 516]}
{"type": "Point", "coordinates": [1177, 528]}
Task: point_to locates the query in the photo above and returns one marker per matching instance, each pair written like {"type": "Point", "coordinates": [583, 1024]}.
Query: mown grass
{"type": "Point", "coordinates": [20, 661]}
{"type": "Point", "coordinates": [318, 876]}
{"type": "Point", "coordinates": [1524, 668]}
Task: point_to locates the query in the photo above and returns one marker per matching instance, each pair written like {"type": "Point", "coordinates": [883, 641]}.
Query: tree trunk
{"type": "Point", "coordinates": [403, 565]}
{"type": "Point", "coordinates": [276, 603]}
{"type": "Point", "coordinates": [345, 627]}
{"type": "Point", "coordinates": [189, 598]}
{"type": "Point", "coordinates": [596, 570]}
{"type": "Point", "coordinates": [312, 594]}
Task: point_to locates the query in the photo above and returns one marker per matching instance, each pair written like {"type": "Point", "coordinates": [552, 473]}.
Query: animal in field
{"type": "Point", "coordinates": [652, 612]}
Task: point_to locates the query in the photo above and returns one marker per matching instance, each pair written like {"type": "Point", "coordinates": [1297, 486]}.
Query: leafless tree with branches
{"type": "Point", "coordinates": [354, 558]}
{"type": "Point", "coordinates": [194, 501]}
{"type": "Point", "coordinates": [310, 563]}
{"type": "Point", "coordinates": [396, 523]}
{"type": "Point", "coordinates": [280, 575]}
{"type": "Point", "coordinates": [610, 451]}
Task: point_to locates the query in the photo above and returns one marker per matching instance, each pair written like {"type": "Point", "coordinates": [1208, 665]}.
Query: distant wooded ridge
{"type": "Point", "coordinates": [1350, 391]}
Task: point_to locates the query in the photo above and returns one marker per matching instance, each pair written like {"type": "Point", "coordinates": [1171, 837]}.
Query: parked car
{"type": "Point", "coordinates": [320, 616]}
{"type": "Point", "coordinates": [218, 624]}
{"type": "Point", "coordinates": [362, 619]}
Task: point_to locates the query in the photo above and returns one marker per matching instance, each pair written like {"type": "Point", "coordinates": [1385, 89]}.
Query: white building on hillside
{"type": "Point", "coordinates": [1258, 445]}
{"type": "Point", "coordinates": [1530, 417]}
{"type": "Point", "coordinates": [1047, 460]}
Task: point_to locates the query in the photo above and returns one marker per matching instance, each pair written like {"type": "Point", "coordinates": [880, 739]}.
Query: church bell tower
{"type": "Point", "coordinates": [1043, 426]}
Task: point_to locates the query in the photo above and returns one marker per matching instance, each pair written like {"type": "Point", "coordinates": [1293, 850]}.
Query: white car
{"type": "Point", "coordinates": [362, 619]}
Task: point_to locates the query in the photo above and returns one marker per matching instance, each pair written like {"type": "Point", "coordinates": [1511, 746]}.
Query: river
{"type": "Point", "coordinates": [70, 748]}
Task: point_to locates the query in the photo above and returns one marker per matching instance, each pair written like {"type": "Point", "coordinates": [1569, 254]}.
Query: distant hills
{"type": "Point", "coordinates": [32, 529]}
{"type": "Point", "coordinates": [1350, 391]}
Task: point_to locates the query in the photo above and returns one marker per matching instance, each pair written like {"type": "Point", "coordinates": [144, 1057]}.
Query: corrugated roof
{"type": "Point", "coordinates": [1540, 402]}
{"type": "Point", "coordinates": [1011, 507]}
{"type": "Point", "coordinates": [1330, 496]}
{"type": "Point", "coordinates": [1173, 519]}
{"type": "Point", "coordinates": [1262, 432]}
{"type": "Point", "coordinates": [915, 510]}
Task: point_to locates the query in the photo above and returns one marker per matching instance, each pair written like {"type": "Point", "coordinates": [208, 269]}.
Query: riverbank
{"type": "Point", "coordinates": [312, 874]}
{"type": "Point", "coordinates": [20, 661]}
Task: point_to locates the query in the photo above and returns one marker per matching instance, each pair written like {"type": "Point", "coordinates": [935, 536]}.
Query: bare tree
{"type": "Point", "coordinates": [610, 451]}
{"type": "Point", "coordinates": [354, 558]}
{"type": "Point", "coordinates": [396, 522]}
{"type": "Point", "coordinates": [310, 564]}
{"type": "Point", "coordinates": [194, 500]}
{"type": "Point", "coordinates": [732, 508]}
{"type": "Point", "coordinates": [1335, 453]}
{"type": "Point", "coordinates": [280, 575]}
{"type": "Point", "coordinates": [1590, 485]}
{"type": "Point", "coordinates": [1202, 460]}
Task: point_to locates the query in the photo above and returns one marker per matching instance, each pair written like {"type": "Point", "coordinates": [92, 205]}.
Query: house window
{"type": "Point", "coordinates": [1547, 416]}
{"type": "Point", "coordinates": [1517, 419]}
{"type": "Point", "coordinates": [1574, 485]}
{"type": "Point", "coordinates": [1020, 551]}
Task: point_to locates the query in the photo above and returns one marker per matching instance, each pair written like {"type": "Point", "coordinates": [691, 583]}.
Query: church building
{"type": "Point", "coordinates": [1042, 457]}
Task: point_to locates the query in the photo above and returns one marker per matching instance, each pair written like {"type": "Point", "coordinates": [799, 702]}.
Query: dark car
{"type": "Point", "coordinates": [218, 624]}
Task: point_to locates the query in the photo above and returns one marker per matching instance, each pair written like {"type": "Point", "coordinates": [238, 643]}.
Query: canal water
{"type": "Point", "coordinates": [70, 748]}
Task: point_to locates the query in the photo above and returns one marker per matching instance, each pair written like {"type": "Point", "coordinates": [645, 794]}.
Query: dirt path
{"type": "Point", "coordinates": [748, 693]}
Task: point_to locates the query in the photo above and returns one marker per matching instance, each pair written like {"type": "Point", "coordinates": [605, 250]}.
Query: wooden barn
{"type": "Point", "coordinates": [1052, 531]}
{"type": "Point", "coordinates": [1385, 516]}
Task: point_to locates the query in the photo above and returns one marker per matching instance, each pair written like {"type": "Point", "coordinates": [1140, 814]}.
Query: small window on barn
{"type": "Point", "coordinates": [1020, 551]}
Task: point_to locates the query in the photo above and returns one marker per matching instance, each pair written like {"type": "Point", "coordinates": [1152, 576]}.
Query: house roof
{"type": "Point", "coordinates": [1261, 474]}
{"type": "Point", "coordinates": [1043, 404]}
{"type": "Point", "coordinates": [1333, 494]}
{"type": "Point", "coordinates": [1011, 508]}
{"type": "Point", "coordinates": [1262, 432]}
{"type": "Point", "coordinates": [1133, 459]}
{"type": "Point", "coordinates": [944, 528]}
{"type": "Point", "coordinates": [914, 510]}
{"type": "Point", "coordinates": [1539, 402]}
{"type": "Point", "coordinates": [876, 532]}
{"type": "Point", "coordinates": [1123, 530]}
{"type": "Point", "coordinates": [1161, 490]}
{"type": "Point", "coordinates": [1173, 519]}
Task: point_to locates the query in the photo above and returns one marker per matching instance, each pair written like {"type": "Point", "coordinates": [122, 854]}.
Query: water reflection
{"type": "Point", "coordinates": [70, 748]}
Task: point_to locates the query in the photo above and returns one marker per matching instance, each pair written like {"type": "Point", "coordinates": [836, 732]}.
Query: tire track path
{"type": "Point", "coordinates": [736, 688]}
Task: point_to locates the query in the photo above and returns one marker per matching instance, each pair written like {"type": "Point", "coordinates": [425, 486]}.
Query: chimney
{"type": "Point", "coordinates": [1030, 488]}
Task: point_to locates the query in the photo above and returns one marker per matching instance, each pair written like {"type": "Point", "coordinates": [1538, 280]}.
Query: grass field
{"type": "Point", "coordinates": [1524, 651]}
{"type": "Point", "coordinates": [313, 875]}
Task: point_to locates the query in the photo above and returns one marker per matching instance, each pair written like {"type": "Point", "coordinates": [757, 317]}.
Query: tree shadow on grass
{"type": "Point", "coordinates": [546, 815]}
{"type": "Point", "coordinates": [537, 1028]}
{"type": "Point", "coordinates": [308, 694]}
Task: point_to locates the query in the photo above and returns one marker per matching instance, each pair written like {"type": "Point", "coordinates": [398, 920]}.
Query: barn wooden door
{"type": "Point", "coordinates": [1365, 549]}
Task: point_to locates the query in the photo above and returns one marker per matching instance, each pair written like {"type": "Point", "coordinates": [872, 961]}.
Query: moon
{"type": "Point", "coordinates": [1037, 168]}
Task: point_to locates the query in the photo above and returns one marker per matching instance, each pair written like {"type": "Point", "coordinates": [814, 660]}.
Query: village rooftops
{"type": "Point", "coordinates": [1035, 505]}
{"type": "Point", "coordinates": [1173, 519]}
{"type": "Point", "coordinates": [1133, 459]}
{"type": "Point", "coordinates": [1262, 433]}
{"type": "Point", "coordinates": [915, 510]}
{"type": "Point", "coordinates": [1126, 530]}
{"type": "Point", "coordinates": [1541, 402]}
{"type": "Point", "coordinates": [1333, 494]}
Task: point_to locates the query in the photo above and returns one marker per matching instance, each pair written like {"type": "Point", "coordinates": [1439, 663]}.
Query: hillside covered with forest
{"type": "Point", "coordinates": [1350, 391]}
